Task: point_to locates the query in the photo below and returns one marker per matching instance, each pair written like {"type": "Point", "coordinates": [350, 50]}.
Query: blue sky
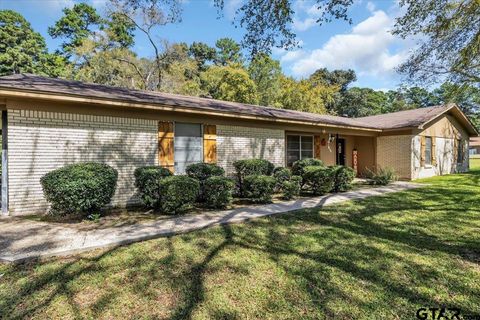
{"type": "Point", "coordinates": [366, 46]}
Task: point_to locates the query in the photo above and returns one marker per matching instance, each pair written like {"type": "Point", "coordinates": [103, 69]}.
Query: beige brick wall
{"type": "Point", "coordinates": [396, 152]}
{"type": "Point", "coordinates": [42, 141]}
{"type": "Point", "coordinates": [235, 143]}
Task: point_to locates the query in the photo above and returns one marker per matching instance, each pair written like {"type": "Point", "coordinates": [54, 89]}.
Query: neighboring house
{"type": "Point", "coordinates": [474, 146]}
{"type": "Point", "coordinates": [48, 123]}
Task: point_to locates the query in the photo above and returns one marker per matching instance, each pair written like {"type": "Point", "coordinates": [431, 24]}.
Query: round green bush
{"type": "Point", "coordinates": [319, 180]}
{"type": "Point", "coordinates": [178, 193]}
{"type": "Point", "coordinates": [281, 174]}
{"type": "Point", "coordinates": [201, 172]}
{"type": "Point", "coordinates": [298, 167]}
{"type": "Point", "coordinates": [249, 167]}
{"type": "Point", "coordinates": [343, 178]}
{"type": "Point", "coordinates": [79, 188]}
{"type": "Point", "coordinates": [218, 192]}
{"type": "Point", "coordinates": [291, 188]}
{"type": "Point", "coordinates": [147, 181]}
{"type": "Point", "coordinates": [259, 188]}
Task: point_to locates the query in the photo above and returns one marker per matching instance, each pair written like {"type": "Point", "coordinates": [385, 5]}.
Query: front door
{"type": "Point", "coordinates": [340, 152]}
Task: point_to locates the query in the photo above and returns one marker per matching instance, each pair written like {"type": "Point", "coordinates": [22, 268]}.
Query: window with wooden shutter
{"type": "Point", "coordinates": [317, 145]}
{"type": "Point", "coordinates": [210, 143]}
{"type": "Point", "coordinates": [165, 145]}
{"type": "Point", "coordinates": [422, 151]}
{"type": "Point", "coordinates": [434, 151]}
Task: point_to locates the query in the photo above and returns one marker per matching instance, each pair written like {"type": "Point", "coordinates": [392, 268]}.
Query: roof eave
{"type": "Point", "coordinates": [65, 97]}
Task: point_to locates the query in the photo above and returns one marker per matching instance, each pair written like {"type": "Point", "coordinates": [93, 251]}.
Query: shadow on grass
{"type": "Point", "coordinates": [367, 241]}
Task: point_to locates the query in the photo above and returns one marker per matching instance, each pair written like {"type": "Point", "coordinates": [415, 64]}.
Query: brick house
{"type": "Point", "coordinates": [48, 123]}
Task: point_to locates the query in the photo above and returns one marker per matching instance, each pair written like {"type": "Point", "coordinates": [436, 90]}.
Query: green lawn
{"type": "Point", "coordinates": [378, 258]}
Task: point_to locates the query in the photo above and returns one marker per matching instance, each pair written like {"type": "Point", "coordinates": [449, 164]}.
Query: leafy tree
{"type": "Point", "coordinates": [266, 73]}
{"type": "Point", "coordinates": [120, 30]}
{"type": "Point", "coordinates": [341, 78]}
{"type": "Point", "coordinates": [466, 97]}
{"type": "Point", "coordinates": [229, 83]}
{"type": "Point", "coordinates": [22, 50]}
{"type": "Point", "coordinates": [268, 23]}
{"type": "Point", "coordinates": [228, 52]}
{"type": "Point", "coordinates": [146, 16]}
{"type": "Point", "coordinates": [202, 53]}
{"type": "Point", "coordinates": [304, 96]}
{"type": "Point", "coordinates": [361, 102]}
{"type": "Point", "coordinates": [449, 31]}
{"type": "Point", "coordinates": [76, 25]}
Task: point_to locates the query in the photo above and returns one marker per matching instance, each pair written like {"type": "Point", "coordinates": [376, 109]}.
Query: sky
{"type": "Point", "coordinates": [366, 46]}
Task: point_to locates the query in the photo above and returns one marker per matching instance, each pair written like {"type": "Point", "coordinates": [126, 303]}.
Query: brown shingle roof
{"type": "Point", "coordinates": [29, 82]}
{"type": "Point", "coordinates": [404, 119]}
{"type": "Point", "coordinates": [54, 86]}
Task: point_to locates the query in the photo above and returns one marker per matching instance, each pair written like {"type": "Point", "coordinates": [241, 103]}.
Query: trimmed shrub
{"type": "Point", "coordinates": [320, 180]}
{"type": "Point", "coordinates": [178, 193]}
{"type": "Point", "coordinates": [218, 192]}
{"type": "Point", "coordinates": [281, 174]}
{"type": "Point", "coordinates": [382, 176]}
{"type": "Point", "coordinates": [79, 188]}
{"type": "Point", "coordinates": [201, 172]}
{"type": "Point", "coordinates": [249, 167]}
{"type": "Point", "coordinates": [259, 188]}
{"type": "Point", "coordinates": [291, 188]}
{"type": "Point", "coordinates": [343, 178]}
{"type": "Point", "coordinates": [298, 167]}
{"type": "Point", "coordinates": [147, 181]}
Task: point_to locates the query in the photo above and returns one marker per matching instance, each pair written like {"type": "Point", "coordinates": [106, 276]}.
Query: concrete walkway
{"type": "Point", "coordinates": [22, 240]}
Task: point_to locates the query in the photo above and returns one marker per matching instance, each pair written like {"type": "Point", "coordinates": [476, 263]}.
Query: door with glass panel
{"type": "Point", "coordinates": [188, 145]}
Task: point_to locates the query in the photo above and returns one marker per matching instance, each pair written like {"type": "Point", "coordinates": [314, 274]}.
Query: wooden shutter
{"type": "Point", "coordinates": [422, 151]}
{"type": "Point", "coordinates": [316, 147]}
{"type": "Point", "coordinates": [434, 151]}
{"type": "Point", "coordinates": [210, 143]}
{"type": "Point", "coordinates": [165, 145]}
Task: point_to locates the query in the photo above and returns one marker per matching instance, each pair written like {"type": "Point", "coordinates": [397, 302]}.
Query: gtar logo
{"type": "Point", "coordinates": [438, 314]}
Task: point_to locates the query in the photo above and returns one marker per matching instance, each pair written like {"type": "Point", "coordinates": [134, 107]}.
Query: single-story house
{"type": "Point", "coordinates": [48, 123]}
{"type": "Point", "coordinates": [474, 146]}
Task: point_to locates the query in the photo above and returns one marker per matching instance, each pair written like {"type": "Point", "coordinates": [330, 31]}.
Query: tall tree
{"type": "Point", "coordinates": [228, 52]}
{"type": "Point", "coordinates": [230, 84]}
{"type": "Point", "coordinates": [147, 16]}
{"type": "Point", "coordinates": [304, 96]}
{"type": "Point", "coordinates": [24, 50]}
{"type": "Point", "coordinates": [341, 78]}
{"type": "Point", "coordinates": [120, 30]}
{"type": "Point", "coordinates": [449, 31]}
{"type": "Point", "coordinates": [361, 102]}
{"type": "Point", "coordinates": [266, 73]}
{"type": "Point", "coordinates": [202, 53]}
{"type": "Point", "coordinates": [76, 25]}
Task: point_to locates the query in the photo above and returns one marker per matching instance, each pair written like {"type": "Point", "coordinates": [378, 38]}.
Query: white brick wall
{"type": "Point", "coordinates": [42, 141]}
{"type": "Point", "coordinates": [235, 143]}
{"type": "Point", "coordinates": [395, 152]}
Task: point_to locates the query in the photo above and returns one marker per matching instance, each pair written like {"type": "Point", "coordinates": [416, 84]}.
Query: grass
{"type": "Point", "coordinates": [377, 258]}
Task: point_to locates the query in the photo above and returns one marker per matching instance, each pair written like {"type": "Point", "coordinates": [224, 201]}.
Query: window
{"type": "Point", "coordinates": [460, 155]}
{"type": "Point", "coordinates": [188, 145]}
{"type": "Point", "coordinates": [299, 147]}
{"type": "Point", "coordinates": [428, 150]}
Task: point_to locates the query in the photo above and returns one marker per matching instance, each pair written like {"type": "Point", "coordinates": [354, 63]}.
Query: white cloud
{"type": "Point", "coordinates": [292, 55]}
{"type": "Point", "coordinates": [231, 7]}
{"type": "Point", "coordinates": [366, 49]}
{"type": "Point", "coordinates": [302, 25]}
{"type": "Point", "coordinates": [306, 15]}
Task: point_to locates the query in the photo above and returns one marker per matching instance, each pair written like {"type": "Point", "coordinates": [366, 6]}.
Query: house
{"type": "Point", "coordinates": [475, 146]}
{"type": "Point", "coordinates": [48, 123]}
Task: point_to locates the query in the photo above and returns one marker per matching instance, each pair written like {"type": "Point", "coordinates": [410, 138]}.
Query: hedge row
{"type": "Point", "coordinates": [88, 187]}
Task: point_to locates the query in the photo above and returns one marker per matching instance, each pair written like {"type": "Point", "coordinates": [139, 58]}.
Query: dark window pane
{"type": "Point", "coordinates": [428, 150]}
{"type": "Point", "coordinates": [293, 142]}
{"type": "Point", "coordinates": [307, 154]}
{"type": "Point", "coordinates": [307, 143]}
